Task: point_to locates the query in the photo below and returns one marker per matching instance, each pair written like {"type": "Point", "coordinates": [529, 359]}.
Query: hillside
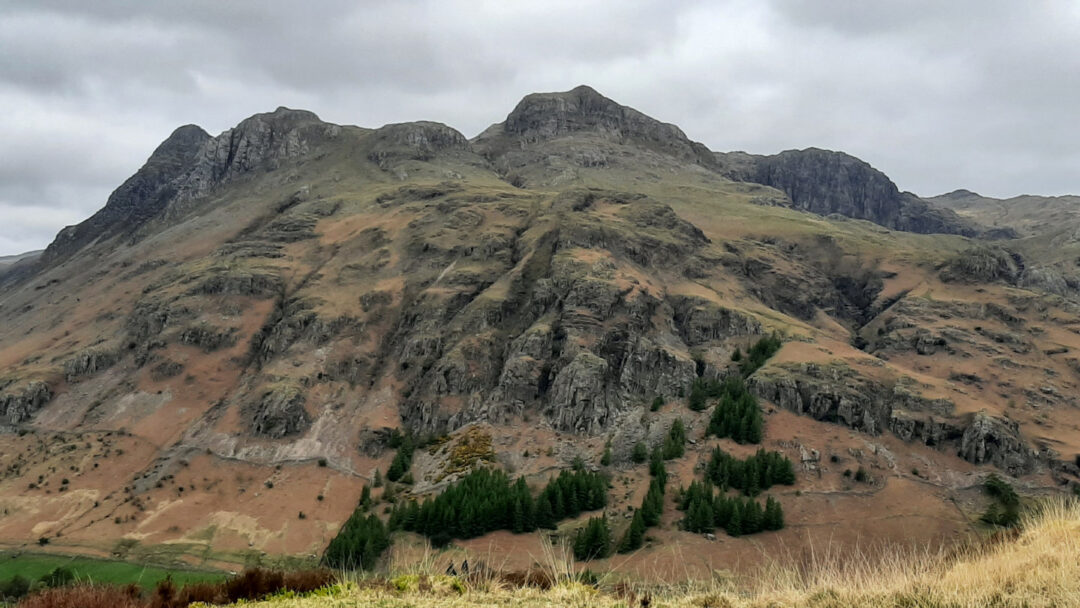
{"type": "Point", "coordinates": [1037, 568]}
{"type": "Point", "coordinates": [211, 367]}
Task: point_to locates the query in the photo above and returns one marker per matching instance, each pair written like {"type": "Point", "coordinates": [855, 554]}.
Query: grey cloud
{"type": "Point", "coordinates": [939, 95]}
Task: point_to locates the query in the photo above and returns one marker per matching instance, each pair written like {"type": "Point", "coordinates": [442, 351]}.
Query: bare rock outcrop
{"type": "Point", "coordinates": [280, 413]}
{"type": "Point", "coordinates": [835, 393]}
{"type": "Point", "coordinates": [989, 439]}
{"type": "Point", "coordinates": [19, 405]}
{"type": "Point", "coordinates": [138, 199]}
{"type": "Point", "coordinates": [89, 362]}
{"type": "Point", "coordinates": [419, 141]}
{"type": "Point", "coordinates": [984, 264]}
{"type": "Point", "coordinates": [827, 182]}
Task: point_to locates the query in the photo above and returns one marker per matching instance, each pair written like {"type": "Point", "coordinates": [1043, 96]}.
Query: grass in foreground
{"type": "Point", "coordinates": [1039, 567]}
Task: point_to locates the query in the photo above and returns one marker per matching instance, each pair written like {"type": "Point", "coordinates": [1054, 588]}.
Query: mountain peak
{"type": "Point", "coordinates": [556, 134]}
{"type": "Point", "coordinates": [959, 194]}
{"type": "Point", "coordinates": [140, 197]}
{"type": "Point", "coordinates": [289, 114]}
{"type": "Point", "coordinates": [549, 115]}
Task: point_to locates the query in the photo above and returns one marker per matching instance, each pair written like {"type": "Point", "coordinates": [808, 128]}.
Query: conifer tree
{"type": "Point", "coordinates": [774, 514]}
{"type": "Point", "coordinates": [594, 540]}
{"type": "Point", "coordinates": [734, 524]}
{"type": "Point", "coordinates": [402, 462]}
{"type": "Point", "coordinates": [545, 517]}
{"type": "Point", "coordinates": [634, 536]}
{"type": "Point", "coordinates": [358, 544]}
{"type": "Point", "coordinates": [675, 442]}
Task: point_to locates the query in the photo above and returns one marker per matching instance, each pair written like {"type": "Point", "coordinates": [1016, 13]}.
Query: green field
{"type": "Point", "coordinates": [35, 565]}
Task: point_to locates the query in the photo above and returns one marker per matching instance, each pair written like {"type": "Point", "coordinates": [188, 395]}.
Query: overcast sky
{"type": "Point", "coordinates": [980, 94]}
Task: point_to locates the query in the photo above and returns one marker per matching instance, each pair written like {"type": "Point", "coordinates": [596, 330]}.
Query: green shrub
{"type": "Point", "coordinates": [58, 577]}
{"type": "Point", "coordinates": [15, 587]}
{"type": "Point", "coordinates": [1005, 508]}
{"type": "Point", "coordinates": [657, 403]}
{"type": "Point", "coordinates": [640, 453]}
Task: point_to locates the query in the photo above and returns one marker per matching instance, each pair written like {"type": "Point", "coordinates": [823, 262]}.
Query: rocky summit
{"type": "Point", "coordinates": [245, 336]}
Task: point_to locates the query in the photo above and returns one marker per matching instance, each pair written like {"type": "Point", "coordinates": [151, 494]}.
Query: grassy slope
{"type": "Point", "coordinates": [1041, 567]}
{"type": "Point", "coordinates": [34, 565]}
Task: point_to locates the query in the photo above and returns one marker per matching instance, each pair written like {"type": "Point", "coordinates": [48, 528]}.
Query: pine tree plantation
{"type": "Point", "coordinates": [753, 475]}
{"type": "Point", "coordinates": [706, 510]}
{"type": "Point", "coordinates": [737, 414]}
{"type": "Point", "coordinates": [359, 544]}
{"type": "Point", "coordinates": [486, 500]}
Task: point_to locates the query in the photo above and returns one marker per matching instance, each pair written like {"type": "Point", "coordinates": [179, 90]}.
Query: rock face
{"type": "Point", "coordinates": [574, 336]}
{"type": "Point", "coordinates": [190, 164]}
{"type": "Point", "coordinates": [700, 321]}
{"type": "Point", "coordinates": [138, 199]}
{"type": "Point", "coordinates": [834, 393]}
{"type": "Point", "coordinates": [551, 136]}
{"type": "Point", "coordinates": [996, 441]}
{"type": "Point", "coordinates": [995, 264]}
{"type": "Point", "coordinates": [826, 182]}
{"type": "Point", "coordinates": [280, 413]}
{"type": "Point", "coordinates": [542, 116]}
{"type": "Point", "coordinates": [261, 142]}
{"type": "Point", "coordinates": [88, 363]}
{"type": "Point", "coordinates": [419, 141]}
{"type": "Point", "coordinates": [17, 406]}
{"type": "Point", "coordinates": [984, 265]}
{"type": "Point", "coordinates": [579, 397]}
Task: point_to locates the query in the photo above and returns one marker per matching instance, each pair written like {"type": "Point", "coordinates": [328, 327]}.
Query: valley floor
{"type": "Point", "coordinates": [1039, 566]}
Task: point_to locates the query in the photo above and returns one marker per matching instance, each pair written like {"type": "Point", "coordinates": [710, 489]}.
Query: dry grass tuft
{"type": "Point", "coordinates": [85, 596]}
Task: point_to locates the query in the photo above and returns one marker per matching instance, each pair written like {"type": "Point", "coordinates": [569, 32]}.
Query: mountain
{"type": "Point", "coordinates": [1047, 229]}
{"type": "Point", "coordinates": [8, 260]}
{"type": "Point", "coordinates": [216, 361]}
